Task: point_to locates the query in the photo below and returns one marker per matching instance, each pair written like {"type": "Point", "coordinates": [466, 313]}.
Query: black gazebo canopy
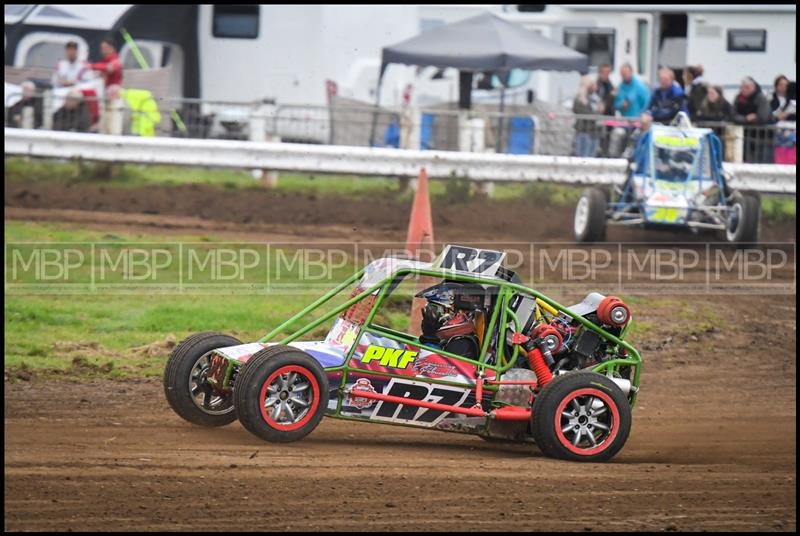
{"type": "Point", "coordinates": [485, 43]}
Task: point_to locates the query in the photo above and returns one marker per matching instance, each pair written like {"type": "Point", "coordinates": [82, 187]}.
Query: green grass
{"type": "Point", "coordinates": [127, 176]}
{"type": "Point", "coordinates": [47, 333]}
{"type": "Point", "coordinates": [131, 175]}
{"type": "Point", "coordinates": [454, 191]}
{"type": "Point", "coordinates": [779, 208]}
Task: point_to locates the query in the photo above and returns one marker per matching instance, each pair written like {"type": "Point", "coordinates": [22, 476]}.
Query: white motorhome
{"type": "Point", "coordinates": [729, 41]}
{"type": "Point", "coordinates": [233, 52]}
{"type": "Point", "coordinates": [287, 53]}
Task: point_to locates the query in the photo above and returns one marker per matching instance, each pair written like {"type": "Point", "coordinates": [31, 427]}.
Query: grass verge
{"type": "Point", "coordinates": [453, 190]}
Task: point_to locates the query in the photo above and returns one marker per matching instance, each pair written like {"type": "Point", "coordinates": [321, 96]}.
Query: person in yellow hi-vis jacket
{"type": "Point", "coordinates": [144, 111]}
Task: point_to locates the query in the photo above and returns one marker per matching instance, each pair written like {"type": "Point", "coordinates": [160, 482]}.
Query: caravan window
{"type": "Point", "coordinates": [236, 21]}
{"type": "Point", "coordinates": [153, 52]}
{"type": "Point", "coordinates": [597, 43]}
{"type": "Point", "coordinates": [747, 40]}
{"type": "Point", "coordinates": [45, 49]}
{"type": "Point", "coordinates": [44, 54]}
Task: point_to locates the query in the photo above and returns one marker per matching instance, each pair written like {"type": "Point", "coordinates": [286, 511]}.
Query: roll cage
{"type": "Point", "coordinates": [648, 165]}
{"type": "Point", "coordinates": [500, 317]}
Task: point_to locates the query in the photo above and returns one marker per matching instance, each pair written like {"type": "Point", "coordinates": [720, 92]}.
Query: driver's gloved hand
{"type": "Point", "coordinates": [431, 322]}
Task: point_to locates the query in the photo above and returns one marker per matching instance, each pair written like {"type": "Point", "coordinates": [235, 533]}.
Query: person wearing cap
{"type": "Point", "coordinates": [71, 71]}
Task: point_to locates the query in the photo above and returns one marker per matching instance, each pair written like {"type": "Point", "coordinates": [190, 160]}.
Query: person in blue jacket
{"type": "Point", "coordinates": [668, 98]}
{"type": "Point", "coordinates": [633, 95]}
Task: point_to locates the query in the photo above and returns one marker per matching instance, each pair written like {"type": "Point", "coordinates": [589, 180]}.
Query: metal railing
{"type": "Point", "coordinates": [367, 161]}
{"type": "Point", "coordinates": [523, 130]}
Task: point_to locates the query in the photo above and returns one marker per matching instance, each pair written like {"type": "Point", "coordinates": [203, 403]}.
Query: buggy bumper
{"type": "Point", "coordinates": [642, 222]}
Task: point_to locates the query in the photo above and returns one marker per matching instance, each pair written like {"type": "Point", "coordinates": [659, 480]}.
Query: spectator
{"type": "Point", "coordinates": [17, 113]}
{"type": "Point", "coordinates": [783, 105]}
{"type": "Point", "coordinates": [632, 94]}
{"type": "Point", "coordinates": [605, 89]}
{"type": "Point", "coordinates": [587, 102]}
{"type": "Point", "coordinates": [751, 106]}
{"type": "Point", "coordinates": [71, 70]}
{"type": "Point", "coordinates": [74, 115]}
{"type": "Point", "coordinates": [714, 106]}
{"type": "Point", "coordinates": [110, 67]}
{"type": "Point", "coordinates": [144, 111]}
{"type": "Point", "coordinates": [668, 98]}
{"type": "Point", "coordinates": [695, 88]}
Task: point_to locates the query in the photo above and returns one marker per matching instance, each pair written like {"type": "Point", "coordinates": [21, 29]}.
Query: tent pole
{"type": "Point", "coordinates": [464, 90]}
{"type": "Point", "coordinates": [499, 146]}
{"type": "Point", "coordinates": [377, 106]}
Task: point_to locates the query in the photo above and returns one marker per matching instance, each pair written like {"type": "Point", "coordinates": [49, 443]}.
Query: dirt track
{"type": "Point", "coordinates": [710, 450]}
{"type": "Point", "coordinates": [713, 445]}
{"type": "Point", "coordinates": [524, 219]}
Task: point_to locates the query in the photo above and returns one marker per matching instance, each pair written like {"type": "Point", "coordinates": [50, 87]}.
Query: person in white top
{"type": "Point", "coordinates": [71, 71]}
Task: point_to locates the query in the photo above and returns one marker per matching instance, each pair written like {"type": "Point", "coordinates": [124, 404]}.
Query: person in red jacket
{"type": "Point", "coordinates": [110, 67]}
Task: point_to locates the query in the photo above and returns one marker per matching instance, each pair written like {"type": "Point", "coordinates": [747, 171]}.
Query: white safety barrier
{"type": "Point", "coordinates": [357, 160]}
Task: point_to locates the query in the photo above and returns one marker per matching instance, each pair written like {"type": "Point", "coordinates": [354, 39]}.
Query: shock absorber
{"type": "Point", "coordinates": [544, 340]}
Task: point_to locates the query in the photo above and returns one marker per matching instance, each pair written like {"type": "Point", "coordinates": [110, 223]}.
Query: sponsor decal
{"type": "Point", "coordinates": [240, 352]}
{"type": "Point", "coordinates": [360, 402]}
{"type": "Point", "coordinates": [426, 366]}
{"type": "Point", "coordinates": [467, 259]}
{"type": "Point", "coordinates": [343, 334]}
{"type": "Point", "coordinates": [389, 357]}
{"type": "Point", "coordinates": [676, 141]}
{"type": "Point", "coordinates": [418, 416]}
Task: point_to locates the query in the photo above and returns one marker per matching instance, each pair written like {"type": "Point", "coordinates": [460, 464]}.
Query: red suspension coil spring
{"type": "Point", "coordinates": [536, 360]}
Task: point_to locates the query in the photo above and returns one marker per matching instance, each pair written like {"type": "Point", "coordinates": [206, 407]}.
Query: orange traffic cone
{"type": "Point", "coordinates": [420, 227]}
{"type": "Point", "coordinates": [419, 244]}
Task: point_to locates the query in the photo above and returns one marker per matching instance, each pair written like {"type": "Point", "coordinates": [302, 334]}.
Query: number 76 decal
{"type": "Point", "coordinates": [403, 413]}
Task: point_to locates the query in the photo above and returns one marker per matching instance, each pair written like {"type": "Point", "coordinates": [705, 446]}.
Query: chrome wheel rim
{"type": "Point", "coordinates": [201, 392]}
{"type": "Point", "coordinates": [289, 398]}
{"type": "Point", "coordinates": [586, 422]}
{"type": "Point", "coordinates": [734, 219]}
{"type": "Point", "coordinates": [581, 216]}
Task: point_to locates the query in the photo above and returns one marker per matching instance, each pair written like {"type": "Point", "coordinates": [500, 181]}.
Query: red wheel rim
{"type": "Point", "coordinates": [567, 423]}
{"type": "Point", "coordinates": [282, 406]}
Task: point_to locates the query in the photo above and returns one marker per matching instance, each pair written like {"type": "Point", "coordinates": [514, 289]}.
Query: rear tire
{"type": "Point", "coordinates": [581, 416]}
{"type": "Point", "coordinates": [281, 394]}
{"type": "Point", "coordinates": [589, 223]}
{"type": "Point", "coordinates": [185, 372]}
{"type": "Point", "coordinates": [744, 221]}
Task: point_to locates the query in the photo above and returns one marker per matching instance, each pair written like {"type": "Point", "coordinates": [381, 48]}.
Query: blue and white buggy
{"type": "Point", "coordinates": [675, 181]}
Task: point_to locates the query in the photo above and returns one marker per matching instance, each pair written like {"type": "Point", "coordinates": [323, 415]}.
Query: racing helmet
{"type": "Point", "coordinates": [448, 311]}
{"type": "Point", "coordinates": [442, 295]}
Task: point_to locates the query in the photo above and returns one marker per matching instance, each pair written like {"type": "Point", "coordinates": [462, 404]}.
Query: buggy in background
{"type": "Point", "coordinates": [675, 182]}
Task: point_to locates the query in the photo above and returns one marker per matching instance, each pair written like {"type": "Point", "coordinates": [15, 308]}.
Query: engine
{"type": "Point", "coordinates": [564, 343]}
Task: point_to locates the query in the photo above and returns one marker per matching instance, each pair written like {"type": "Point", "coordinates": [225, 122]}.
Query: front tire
{"type": "Point", "coordinates": [581, 416]}
{"type": "Point", "coordinates": [589, 223]}
{"type": "Point", "coordinates": [281, 394]}
{"type": "Point", "coordinates": [743, 221]}
{"type": "Point", "coordinates": [185, 385]}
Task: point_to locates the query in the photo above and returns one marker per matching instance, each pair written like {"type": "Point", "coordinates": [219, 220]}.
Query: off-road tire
{"type": "Point", "coordinates": [591, 225]}
{"type": "Point", "coordinates": [746, 231]}
{"type": "Point", "coordinates": [253, 381]}
{"type": "Point", "coordinates": [547, 425]}
{"type": "Point", "coordinates": [176, 377]}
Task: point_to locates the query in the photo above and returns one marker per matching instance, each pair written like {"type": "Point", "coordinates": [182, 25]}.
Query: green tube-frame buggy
{"type": "Point", "coordinates": [280, 387]}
